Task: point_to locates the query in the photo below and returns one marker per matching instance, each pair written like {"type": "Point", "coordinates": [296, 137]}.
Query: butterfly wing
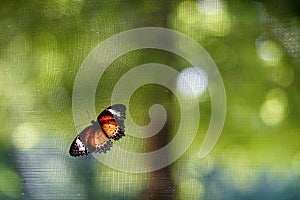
{"type": "Point", "coordinates": [78, 148]}
{"type": "Point", "coordinates": [91, 139]}
{"type": "Point", "coordinates": [95, 138]}
{"type": "Point", "coordinates": [111, 121]}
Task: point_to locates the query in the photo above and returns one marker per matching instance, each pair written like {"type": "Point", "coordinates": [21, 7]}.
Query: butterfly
{"type": "Point", "coordinates": [97, 137]}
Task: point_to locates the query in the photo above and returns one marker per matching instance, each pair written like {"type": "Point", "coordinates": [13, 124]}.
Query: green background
{"type": "Point", "coordinates": [255, 45]}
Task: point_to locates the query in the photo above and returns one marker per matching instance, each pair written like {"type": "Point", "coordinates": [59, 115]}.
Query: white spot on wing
{"type": "Point", "coordinates": [80, 145]}
{"type": "Point", "coordinates": [118, 114]}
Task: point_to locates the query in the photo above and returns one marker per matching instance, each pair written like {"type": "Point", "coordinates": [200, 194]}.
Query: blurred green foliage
{"type": "Point", "coordinates": [255, 45]}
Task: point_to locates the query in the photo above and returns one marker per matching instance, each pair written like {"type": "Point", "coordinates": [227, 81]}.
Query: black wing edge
{"type": "Point", "coordinates": [74, 149]}
{"type": "Point", "coordinates": [121, 109]}
{"type": "Point", "coordinates": [106, 147]}
{"type": "Point", "coordinates": [120, 119]}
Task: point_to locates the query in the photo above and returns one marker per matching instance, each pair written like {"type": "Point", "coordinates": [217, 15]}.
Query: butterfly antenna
{"type": "Point", "coordinates": [89, 115]}
{"type": "Point", "coordinates": [91, 120]}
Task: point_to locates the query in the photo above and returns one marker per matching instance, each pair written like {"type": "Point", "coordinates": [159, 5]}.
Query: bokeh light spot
{"type": "Point", "coordinates": [25, 136]}
{"type": "Point", "coordinates": [203, 18]}
{"type": "Point", "coordinates": [215, 18]}
{"type": "Point", "coordinates": [210, 7]}
{"type": "Point", "coordinates": [270, 52]}
{"type": "Point", "coordinates": [192, 82]}
{"type": "Point", "coordinates": [274, 109]}
{"type": "Point", "coordinates": [190, 17]}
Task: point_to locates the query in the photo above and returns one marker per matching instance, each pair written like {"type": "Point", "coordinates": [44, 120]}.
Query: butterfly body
{"type": "Point", "coordinates": [96, 137]}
